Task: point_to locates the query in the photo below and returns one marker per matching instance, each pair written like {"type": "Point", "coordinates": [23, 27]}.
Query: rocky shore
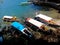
{"type": "Point", "coordinates": [49, 3]}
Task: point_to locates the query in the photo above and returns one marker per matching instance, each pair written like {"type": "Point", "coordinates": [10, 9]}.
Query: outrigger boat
{"type": "Point", "coordinates": [46, 20]}
{"type": "Point", "coordinates": [10, 18]}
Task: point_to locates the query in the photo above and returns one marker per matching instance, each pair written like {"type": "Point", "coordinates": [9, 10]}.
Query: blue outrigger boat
{"type": "Point", "coordinates": [21, 28]}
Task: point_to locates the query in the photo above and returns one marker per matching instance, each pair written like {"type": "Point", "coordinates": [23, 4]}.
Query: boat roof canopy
{"type": "Point", "coordinates": [44, 17]}
{"type": "Point", "coordinates": [35, 22]}
{"type": "Point", "coordinates": [7, 17]}
{"type": "Point", "coordinates": [19, 26]}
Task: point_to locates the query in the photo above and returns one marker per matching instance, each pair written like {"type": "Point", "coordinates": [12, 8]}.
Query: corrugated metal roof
{"type": "Point", "coordinates": [35, 22]}
{"type": "Point", "coordinates": [17, 25]}
{"type": "Point", "coordinates": [44, 17]}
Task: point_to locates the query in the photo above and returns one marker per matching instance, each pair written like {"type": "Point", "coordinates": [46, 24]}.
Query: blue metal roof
{"type": "Point", "coordinates": [18, 26]}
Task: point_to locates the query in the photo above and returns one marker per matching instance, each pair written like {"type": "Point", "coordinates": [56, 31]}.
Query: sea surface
{"type": "Point", "coordinates": [13, 8]}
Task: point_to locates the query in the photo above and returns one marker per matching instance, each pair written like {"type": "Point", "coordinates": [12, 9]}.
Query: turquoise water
{"type": "Point", "coordinates": [12, 7]}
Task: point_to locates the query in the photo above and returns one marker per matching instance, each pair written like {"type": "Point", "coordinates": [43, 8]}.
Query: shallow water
{"type": "Point", "coordinates": [12, 7]}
